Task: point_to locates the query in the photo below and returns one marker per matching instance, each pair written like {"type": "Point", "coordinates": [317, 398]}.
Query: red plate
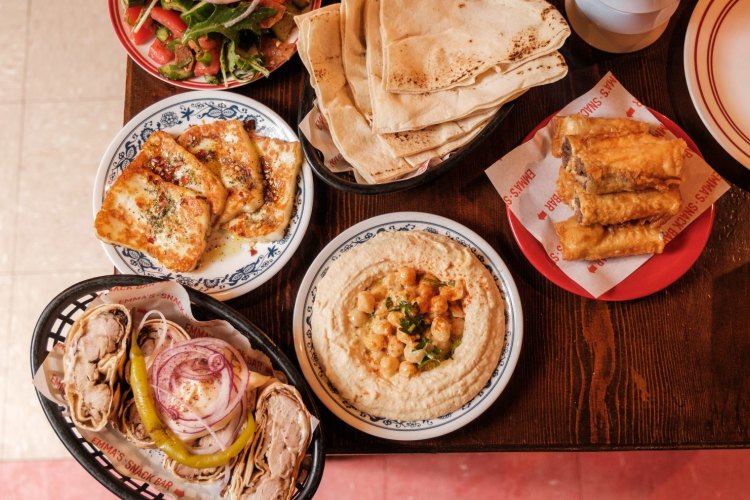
{"type": "Point", "coordinates": [657, 273]}
{"type": "Point", "coordinates": [139, 53]}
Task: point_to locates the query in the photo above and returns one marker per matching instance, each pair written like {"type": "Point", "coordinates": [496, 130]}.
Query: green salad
{"type": "Point", "coordinates": [214, 39]}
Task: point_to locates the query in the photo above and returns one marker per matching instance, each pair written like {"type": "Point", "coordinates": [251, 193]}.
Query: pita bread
{"type": "Point", "coordinates": [353, 53]}
{"type": "Point", "coordinates": [399, 112]}
{"type": "Point", "coordinates": [419, 159]}
{"type": "Point", "coordinates": [319, 47]}
{"type": "Point", "coordinates": [430, 46]}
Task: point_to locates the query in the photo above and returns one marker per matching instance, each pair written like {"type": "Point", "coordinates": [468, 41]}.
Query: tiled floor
{"type": "Point", "coordinates": [61, 103]}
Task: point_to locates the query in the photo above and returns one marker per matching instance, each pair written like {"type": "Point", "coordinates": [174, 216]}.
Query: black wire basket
{"type": "Point", "coordinates": [53, 326]}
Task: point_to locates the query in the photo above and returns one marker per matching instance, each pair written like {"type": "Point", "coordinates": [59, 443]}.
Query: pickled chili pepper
{"type": "Point", "coordinates": [163, 437]}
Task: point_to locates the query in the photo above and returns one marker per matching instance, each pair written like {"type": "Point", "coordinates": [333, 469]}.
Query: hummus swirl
{"type": "Point", "coordinates": [351, 362]}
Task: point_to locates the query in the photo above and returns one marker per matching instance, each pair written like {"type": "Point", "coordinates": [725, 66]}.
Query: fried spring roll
{"type": "Point", "coordinates": [617, 208]}
{"type": "Point", "coordinates": [581, 125]}
{"type": "Point", "coordinates": [608, 164]}
{"type": "Point", "coordinates": [566, 186]}
{"type": "Point", "coordinates": [601, 242]}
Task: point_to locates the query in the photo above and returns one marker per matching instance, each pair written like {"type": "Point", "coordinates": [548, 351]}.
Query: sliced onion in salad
{"type": "Point", "coordinates": [199, 386]}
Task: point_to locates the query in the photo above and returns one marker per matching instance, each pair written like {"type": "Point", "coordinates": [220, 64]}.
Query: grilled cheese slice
{"type": "Point", "coordinates": [225, 147]}
{"type": "Point", "coordinates": [162, 155]}
{"type": "Point", "coordinates": [144, 212]}
{"type": "Point", "coordinates": [281, 162]}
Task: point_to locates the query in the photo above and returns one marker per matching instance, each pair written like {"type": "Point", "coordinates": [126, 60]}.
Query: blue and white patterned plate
{"type": "Point", "coordinates": [373, 424]}
{"type": "Point", "coordinates": [231, 267]}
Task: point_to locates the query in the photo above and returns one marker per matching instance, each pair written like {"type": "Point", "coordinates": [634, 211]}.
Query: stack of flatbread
{"type": "Point", "coordinates": [622, 181]}
{"type": "Point", "coordinates": [403, 82]}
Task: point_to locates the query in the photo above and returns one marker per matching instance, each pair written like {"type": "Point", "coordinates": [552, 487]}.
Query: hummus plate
{"type": "Point", "coordinates": [391, 428]}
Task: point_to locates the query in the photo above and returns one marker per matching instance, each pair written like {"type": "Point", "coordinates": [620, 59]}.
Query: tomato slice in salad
{"type": "Point", "coordinates": [171, 19]}
{"type": "Point", "coordinates": [207, 43]}
{"type": "Point", "coordinates": [147, 30]}
{"type": "Point", "coordinates": [211, 68]}
{"type": "Point", "coordinates": [159, 52]}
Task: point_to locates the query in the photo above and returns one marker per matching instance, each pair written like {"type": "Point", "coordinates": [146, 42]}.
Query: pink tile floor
{"type": "Point", "coordinates": [715, 474]}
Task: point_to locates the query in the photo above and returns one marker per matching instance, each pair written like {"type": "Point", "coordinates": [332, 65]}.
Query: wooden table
{"type": "Point", "coordinates": [671, 370]}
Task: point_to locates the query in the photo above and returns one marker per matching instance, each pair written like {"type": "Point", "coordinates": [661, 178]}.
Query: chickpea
{"type": "Point", "coordinates": [394, 318]}
{"type": "Point", "coordinates": [404, 338]}
{"type": "Point", "coordinates": [365, 302]}
{"type": "Point", "coordinates": [438, 305]}
{"type": "Point", "coordinates": [426, 289]}
{"type": "Point", "coordinates": [413, 355]}
{"type": "Point", "coordinates": [455, 292]}
{"type": "Point", "coordinates": [377, 357]}
{"type": "Point", "coordinates": [441, 329]}
{"type": "Point", "coordinates": [424, 304]}
{"type": "Point", "coordinates": [381, 311]}
{"type": "Point", "coordinates": [410, 292]}
{"type": "Point", "coordinates": [407, 369]}
{"type": "Point", "coordinates": [382, 327]}
{"type": "Point", "coordinates": [375, 342]}
{"type": "Point", "coordinates": [407, 276]}
{"type": "Point", "coordinates": [389, 366]}
{"type": "Point", "coordinates": [395, 347]}
{"type": "Point", "coordinates": [379, 292]}
{"type": "Point", "coordinates": [358, 318]}
{"type": "Point", "coordinates": [457, 327]}
{"type": "Point", "coordinates": [390, 280]}
{"type": "Point", "coordinates": [457, 311]}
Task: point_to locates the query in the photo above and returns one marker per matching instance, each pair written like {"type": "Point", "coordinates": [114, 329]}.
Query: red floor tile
{"type": "Point", "coordinates": [484, 475]}
{"type": "Point", "coordinates": [666, 475]}
{"type": "Point", "coordinates": [58, 479]}
{"type": "Point", "coordinates": [362, 478]}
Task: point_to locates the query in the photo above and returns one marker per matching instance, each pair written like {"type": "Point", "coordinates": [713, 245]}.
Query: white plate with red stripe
{"type": "Point", "coordinates": [139, 53]}
{"type": "Point", "coordinates": [718, 73]}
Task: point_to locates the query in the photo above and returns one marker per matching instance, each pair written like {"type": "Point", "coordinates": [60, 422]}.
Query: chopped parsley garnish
{"type": "Point", "coordinates": [439, 283]}
{"type": "Point", "coordinates": [431, 358]}
{"type": "Point", "coordinates": [413, 321]}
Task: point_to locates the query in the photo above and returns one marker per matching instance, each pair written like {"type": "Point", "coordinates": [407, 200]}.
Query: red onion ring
{"type": "Point", "coordinates": [208, 363]}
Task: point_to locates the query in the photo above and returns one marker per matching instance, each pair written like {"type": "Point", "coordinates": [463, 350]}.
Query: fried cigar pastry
{"type": "Point", "coordinates": [581, 125]}
{"type": "Point", "coordinates": [616, 208]}
{"type": "Point", "coordinates": [601, 242]}
{"type": "Point", "coordinates": [566, 186]}
{"type": "Point", "coordinates": [608, 164]}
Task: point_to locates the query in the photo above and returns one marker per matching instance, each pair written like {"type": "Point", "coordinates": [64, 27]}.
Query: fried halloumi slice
{"type": "Point", "coordinates": [144, 212]}
{"type": "Point", "coordinates": [225, 147]}
{"type": "Point", "coordinates": [281, 162]}
{"type": "Point", "coordinates": [162, 155]}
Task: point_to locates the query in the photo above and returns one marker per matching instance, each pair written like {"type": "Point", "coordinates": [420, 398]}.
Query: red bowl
{"type": "Point", "coordinates": [657, 273]}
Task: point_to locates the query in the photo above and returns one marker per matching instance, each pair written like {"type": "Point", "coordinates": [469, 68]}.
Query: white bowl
{"type": "Point", "coordinates": [625, 23]}
{"type": "Point", "coordinates": [640, 6]}
{"type": "Point", "coordinates": [605, 40]}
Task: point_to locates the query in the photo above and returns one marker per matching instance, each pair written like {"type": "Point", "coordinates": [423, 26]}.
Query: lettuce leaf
{"type": "Point", "coordinates": [222, 14]}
